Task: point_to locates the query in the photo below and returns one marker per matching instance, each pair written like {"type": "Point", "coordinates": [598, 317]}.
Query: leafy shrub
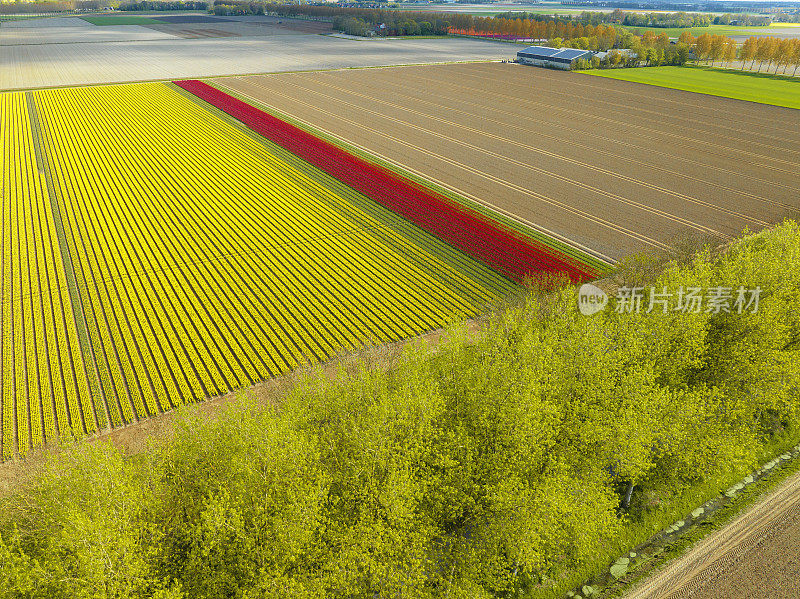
{"type": "Point", "coordinates": [500, 462]}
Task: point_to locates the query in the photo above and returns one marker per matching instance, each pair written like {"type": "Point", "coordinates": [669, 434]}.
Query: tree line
{"type": "Point", "coordinates": [603, 37]}
{"type": "Point", "coordinates": [73, 5]}
{"type": "Point", "coordinates": [401, 26]}
{"type": "Point", "coordinates": [665, 20]}
{"type": "Point", "coordinates": [504, 464]}
{"type": "Point", "coordinates": [781, 52]}
{"type": "Point", "coordinates": [657, 50]}
{"type": "Point", "coordinates": [156, 5]}
{"type": "Point", "coordinates": [351, 20]}
{"type": "Point", "coordinates": [11, 8]}
{"type": "Point", "coordinates": [770, 50]}
{"type": "Point", "coordinates": [619, 16]}
{"type": "Point", "coordinates": [785, 17]}
{"type": "Point", "coordinates": [237, 8]}
{"type": "Point", "coordinates": [368, 15]}
{"type": "Point", "coordinates": [742, 20]}
{"type": "Point", "coordinates": [649, 48]}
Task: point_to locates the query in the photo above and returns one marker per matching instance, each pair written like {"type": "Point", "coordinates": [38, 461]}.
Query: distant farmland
{"type": "Point", "coordinates": [160, 253]}
{"type": "Point", "coordinates": [614, 166]}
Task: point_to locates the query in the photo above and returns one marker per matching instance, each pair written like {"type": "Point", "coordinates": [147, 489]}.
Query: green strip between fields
{"type": "Point", "coordinates": [74, 290]}
{"type": "Point", "coordinates": [576, 254]}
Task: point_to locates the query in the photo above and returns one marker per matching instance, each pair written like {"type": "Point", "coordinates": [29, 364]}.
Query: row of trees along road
{"type": "Point", "coordinates": [650, 48]}
{"type": "Point", "coordinates": [770, 50]}
{"type": "Point", "coordinates": [785, 53]}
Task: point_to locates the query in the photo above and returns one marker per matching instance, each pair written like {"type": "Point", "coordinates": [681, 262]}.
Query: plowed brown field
{"type": "Point", "coordinates": [610, 165]}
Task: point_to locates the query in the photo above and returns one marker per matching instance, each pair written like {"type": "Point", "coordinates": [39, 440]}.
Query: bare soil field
{"type": "Point", "coordinates": [784, 32]}
{"type": "Point", "coordinates": [77, 34]}
{"type": "Point", "coordinates": [278, 24]}
{"type": "Point", "coordinates": [137, 53]}
{"type": "Point", "coordinates": [239, 27]}
{"type": "Point", "coordinates": [757, 556]}
{"type": "Point", "coordinates": [613, 166]}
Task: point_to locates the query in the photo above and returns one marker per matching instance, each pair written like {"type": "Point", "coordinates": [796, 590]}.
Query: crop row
{"type": "Point", "coordinates": [196, 263]}
{"type": "Point", "coordinates": [44, 385]}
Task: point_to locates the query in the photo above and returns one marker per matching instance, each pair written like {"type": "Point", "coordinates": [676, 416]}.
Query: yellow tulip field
{"type": "Point", "coordinates": [155, 252]}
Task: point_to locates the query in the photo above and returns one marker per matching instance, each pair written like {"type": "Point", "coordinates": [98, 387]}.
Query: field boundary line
{"type": "Point", "coordinates": [230, 75]}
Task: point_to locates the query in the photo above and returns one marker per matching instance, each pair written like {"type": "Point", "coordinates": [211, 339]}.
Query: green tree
{"type": "Point", "coordinates": [581, 64]}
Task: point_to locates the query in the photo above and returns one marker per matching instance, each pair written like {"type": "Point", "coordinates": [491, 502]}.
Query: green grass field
{"type": "Point", "coordinates": [740, 85]}
{"type": "Point", "coordinates": [714, 30]}
{"type": "Point", "coordinates": [19, 17]}
{"type": "Point", "coordinates": [122, 20]}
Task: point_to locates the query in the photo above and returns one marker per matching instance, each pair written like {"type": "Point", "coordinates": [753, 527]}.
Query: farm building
{"type": "Point", "coordinates": [624, 52]}
{"type": "Point", "coordinates": [557, 58]}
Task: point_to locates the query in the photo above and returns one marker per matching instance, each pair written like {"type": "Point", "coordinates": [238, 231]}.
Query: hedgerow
{"type": "Point", "coordinates": [500, 464]}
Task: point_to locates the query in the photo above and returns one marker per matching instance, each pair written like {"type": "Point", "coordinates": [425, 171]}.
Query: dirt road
{"type": "Point", "coordinates": [756, 556]}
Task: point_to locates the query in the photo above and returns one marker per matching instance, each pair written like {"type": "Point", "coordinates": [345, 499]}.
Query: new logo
{"type": "Point", "coordinates": [591, 299]}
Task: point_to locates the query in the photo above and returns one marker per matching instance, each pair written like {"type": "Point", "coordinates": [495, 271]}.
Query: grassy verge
{"type": "Point", "coordinates": [654, 552]}
{"type": "Point", "coordinates": [762, 88]}
{"type": "Point", "coordinates": [741, 503]}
